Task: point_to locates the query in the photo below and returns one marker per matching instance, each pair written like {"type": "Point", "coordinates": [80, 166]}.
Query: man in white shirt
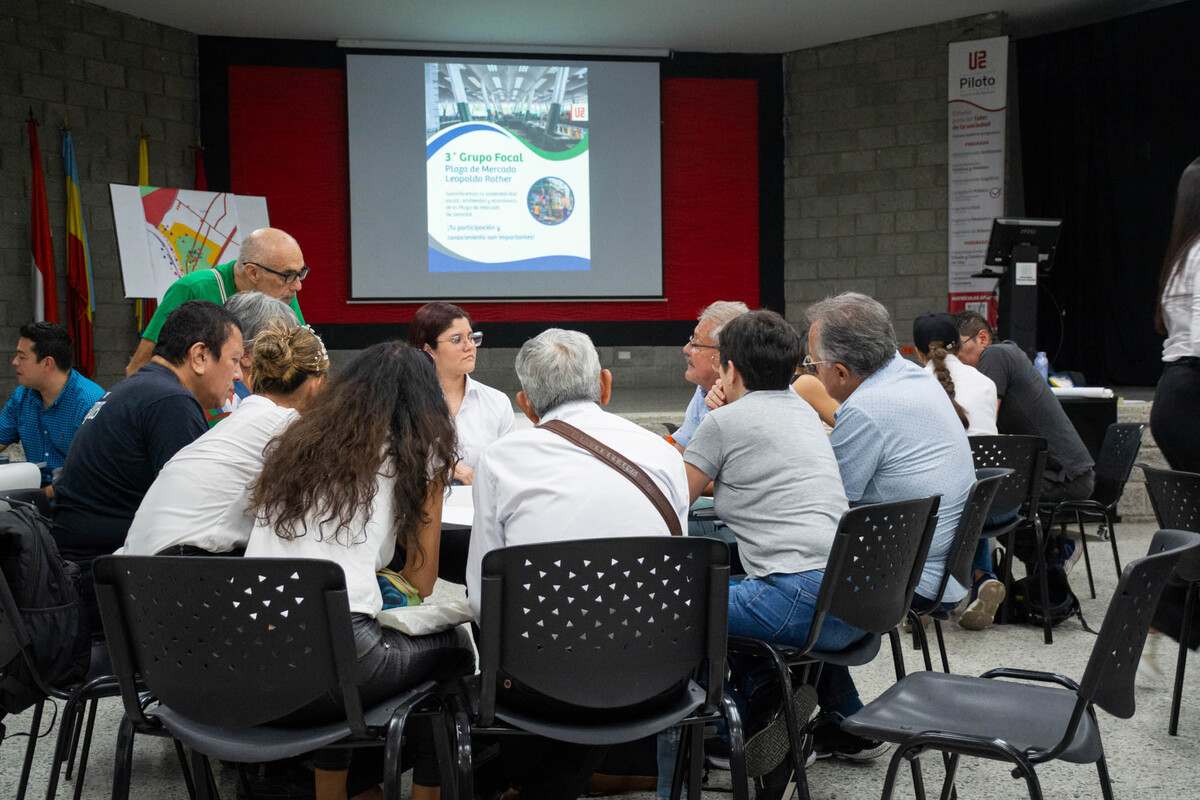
{"type": "Point", "coordinates": [535, 486]}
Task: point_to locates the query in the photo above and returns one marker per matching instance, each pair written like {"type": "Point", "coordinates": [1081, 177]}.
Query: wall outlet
{"type": "Point", "coordinates": [624, 355]}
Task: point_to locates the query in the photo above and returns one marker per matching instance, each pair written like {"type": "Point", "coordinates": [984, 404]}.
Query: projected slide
{"type": "Point", "coordinates": [506, 156]}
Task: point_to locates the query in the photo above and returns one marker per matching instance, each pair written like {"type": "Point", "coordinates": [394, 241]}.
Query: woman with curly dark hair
{"type": "Point", "coordinates": [363, 470]}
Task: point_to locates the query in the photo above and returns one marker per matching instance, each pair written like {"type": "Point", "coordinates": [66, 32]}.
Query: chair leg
{"type": "Point", "coordinates": [937, 629]}
{"type": "Point", "coordinates": [1112, 539]}
{"type": "Point", "coordinates": [443, 728]}
{"type": "Point", "coordinates": [1087, 559]}
{"type": "Point", "coordinates": [87, 746]}
{"type": "Point", "coordinates": [696, 761]}
{"type": "Point", "coordinates": [918, 779]}
{"type": "Point", "coordinates": [188, 783]}
{"type": "Point", "coordinates": [1040, 569]}
{"type": "Point", "coordinates": [76, 727]}
{"type": "Point", "coordinates": [677, 771]}
{"type": "Point", "coordinates": [1006, 576]}
{"type": "Point", "coordinates": [897, 653]}
{"type": "Point", "coordinates": [202, 776]}
{"type": "Point", "coordinates": [737, 750]}
{"type": "Point", "coordinates": [1102, 770]}
{"type": "Point", "coordinates": [34, 727]}
{"type": "Point", "coordinates": [948, 790]}
{"type": "Point", "coordinates": [794, 726]}
{"type": "Point", "coordinates": [1031, 782]}
{"type": "Point", "coordinates": [392, 768]}
{"type": "Point", "coordinates": [889, 782]}
{"type": "Point", "coordinates": [926, 656]}
{"type": "Point", "coordinates": [123, 761]}
{"type": "Point", "coordinates": [63, 743]}
{"type": "Point", "coordinates": [1185, 631]}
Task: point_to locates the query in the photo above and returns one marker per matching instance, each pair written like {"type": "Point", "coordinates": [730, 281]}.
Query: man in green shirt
{"type": "Point", "coordinates": [270, 262]}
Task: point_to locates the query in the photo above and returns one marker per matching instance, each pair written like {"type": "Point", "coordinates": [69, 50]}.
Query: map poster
{"type": "Point", "coordinates": [164, 234]}
{"type": "Point", "coordinates": [506, 152]}
{"type": "Point", "coordinates": [978, 98]}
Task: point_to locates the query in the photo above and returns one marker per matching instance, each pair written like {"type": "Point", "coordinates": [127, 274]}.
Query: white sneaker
{"type": "Point", "coordinates": [982, 610]}
{"type": "Point", "coordinates": [1150, 671]}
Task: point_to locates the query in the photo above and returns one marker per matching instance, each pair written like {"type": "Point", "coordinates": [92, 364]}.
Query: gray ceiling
{"type": "Point", "coordinates": [763, 26]}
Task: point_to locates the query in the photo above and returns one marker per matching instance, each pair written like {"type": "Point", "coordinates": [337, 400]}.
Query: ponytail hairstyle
{"type": "Point", "coordinates": [937, 356]}
{"type": "Point", "coordinates": [936, 335]}
{"type": "Point", "coordinates": [285, 357]}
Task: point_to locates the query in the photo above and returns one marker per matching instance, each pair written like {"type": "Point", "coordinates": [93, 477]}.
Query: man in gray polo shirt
{"type": "Point", "coordinates": [778, 488]}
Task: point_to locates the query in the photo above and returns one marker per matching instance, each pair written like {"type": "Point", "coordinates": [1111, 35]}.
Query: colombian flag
{"type": "Point", "coordinates": [143, 308]}
{"type": "Point", "coordinates": [81, 299]}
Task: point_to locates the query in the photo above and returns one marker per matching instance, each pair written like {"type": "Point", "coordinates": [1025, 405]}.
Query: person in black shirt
{"type": "Point", "coordinates": [135, 428]}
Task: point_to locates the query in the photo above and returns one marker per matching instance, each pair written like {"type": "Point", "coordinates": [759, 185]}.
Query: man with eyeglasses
{"type": "Point", "coordinates": [700, 353]}
{"type": "Point", "coordinates": [270, 261]}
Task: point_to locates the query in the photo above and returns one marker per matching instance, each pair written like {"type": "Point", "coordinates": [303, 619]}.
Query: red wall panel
{"type": "Point", "coordinates": [287, 141]}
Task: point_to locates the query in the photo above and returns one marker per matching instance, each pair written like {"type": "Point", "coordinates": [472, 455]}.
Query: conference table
{"type": "Point", "coordinates": [458, 510]}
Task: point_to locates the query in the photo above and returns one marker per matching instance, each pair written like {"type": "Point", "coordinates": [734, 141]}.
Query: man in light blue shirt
{"type": "Point", "coordinates": [51, 400]}
{"type": "Point", "coordinates": [701, 354]}
{"type": "Point", "coordinates": [897, 436]}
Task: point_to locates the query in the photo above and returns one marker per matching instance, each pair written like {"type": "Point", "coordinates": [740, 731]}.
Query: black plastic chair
{"type": "Point", "coordinates": [1026, 457]}
{"type": "Point", "coordinates": [77, 698]}
{"type": "Point", "coordinates": [961, 558]}
{"type": "Point", "coordinates": [1028, 724]}
{"type": "Point", "coordinates": [228, 646]}
{"type": "Point", "coordinates": [1175, 497]}
{"type": "Point", "coordinates": [873, 569]}
{"type": "Point", "coordinates": [608, 637]}
{"type": "Point", "coordinates": [1122, 441]}
{"type": "Point", "coordinates": [34, 497]}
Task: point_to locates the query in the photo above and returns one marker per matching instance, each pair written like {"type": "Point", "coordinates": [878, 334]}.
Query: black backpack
{"type": "Point", "coordinates": [45, 588]}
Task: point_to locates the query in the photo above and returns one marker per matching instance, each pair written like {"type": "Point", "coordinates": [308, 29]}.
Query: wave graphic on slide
{"type": "Point", "coordinates": [450, 134]}
{"type": "Point", "coordinates": [453, 133]}
{"type": "Point", "coordinates": [441, 260]}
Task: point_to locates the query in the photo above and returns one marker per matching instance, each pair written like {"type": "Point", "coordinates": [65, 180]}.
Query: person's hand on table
{"type": "Point", "coordinates": [716, 396]}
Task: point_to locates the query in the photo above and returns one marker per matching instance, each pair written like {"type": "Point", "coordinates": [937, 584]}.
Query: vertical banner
{"type": "Point", "coordinates": [978, 97]}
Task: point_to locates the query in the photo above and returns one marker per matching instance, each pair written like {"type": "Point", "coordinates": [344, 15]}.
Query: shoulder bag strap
{"type": "Point", "coordinates": [636, 475]}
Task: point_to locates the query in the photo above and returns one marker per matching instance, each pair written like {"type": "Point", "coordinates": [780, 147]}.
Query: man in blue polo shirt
{"type": "Point", "coordinates": [51, 400]}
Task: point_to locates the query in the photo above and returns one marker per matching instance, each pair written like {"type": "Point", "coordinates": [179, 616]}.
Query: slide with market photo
{"type": "Point", "coordinates": [504, 178]}
{"type": "Point", "coordinates": [506, 150]}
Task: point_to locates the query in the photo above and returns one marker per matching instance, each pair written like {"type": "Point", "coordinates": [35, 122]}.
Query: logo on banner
{"type": "Point", "coordinates": [977, 59]}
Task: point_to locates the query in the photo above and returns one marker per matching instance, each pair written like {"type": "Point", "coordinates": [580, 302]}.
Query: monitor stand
{"type": "Point", "coordinates": [1019, 299]}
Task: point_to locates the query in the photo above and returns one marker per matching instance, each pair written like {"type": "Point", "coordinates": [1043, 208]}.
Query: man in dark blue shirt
{"type": "Point", "coordinates": [134, 430]}
{"type": "Point", "coordinates": [50, 401]}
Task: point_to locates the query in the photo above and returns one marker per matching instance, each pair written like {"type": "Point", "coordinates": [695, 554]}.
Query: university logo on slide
{"type": "Point", "coordinates": [506, 149]}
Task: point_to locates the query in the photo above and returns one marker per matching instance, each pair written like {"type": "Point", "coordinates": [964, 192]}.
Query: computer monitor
{"type": "Point", "coordinates": [1009, 233]}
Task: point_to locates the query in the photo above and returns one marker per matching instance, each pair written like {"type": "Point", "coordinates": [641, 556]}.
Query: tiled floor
{"type": "Point", "coordinates": [1145, 762]}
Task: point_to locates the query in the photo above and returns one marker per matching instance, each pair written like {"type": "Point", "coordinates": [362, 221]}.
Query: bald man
{"type": "Point", "coordinates": [270, 262]}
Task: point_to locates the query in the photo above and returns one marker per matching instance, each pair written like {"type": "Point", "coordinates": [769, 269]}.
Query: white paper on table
{"type": "Point", "coordinates": [458, 508]}
{"type": "Point", "coordinates": [1100, 392]}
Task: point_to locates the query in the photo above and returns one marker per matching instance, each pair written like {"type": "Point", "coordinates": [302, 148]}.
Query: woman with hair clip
{"type": "Point", "coordinates": [972, 393]}
{"type": "Point", "coordinates": [1175, 415]}
{"type": "Point", "coordinates": [361, 473]}
{"type": "Point", "coordinates": [481, 414]}
{"type": "Point", "coordinates": [197, 504]}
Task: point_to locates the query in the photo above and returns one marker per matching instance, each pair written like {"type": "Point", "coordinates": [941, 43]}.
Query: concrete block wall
{"type": "Point", "coordinates": [110, 76]}
{"type": "Point", "coordinates": [866, 152]}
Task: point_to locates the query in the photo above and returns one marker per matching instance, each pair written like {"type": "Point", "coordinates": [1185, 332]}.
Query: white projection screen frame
{"type": "Point", "coordinates": [529, 201]}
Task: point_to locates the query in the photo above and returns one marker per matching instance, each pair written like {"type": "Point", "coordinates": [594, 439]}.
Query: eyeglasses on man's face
{"type": "Point", "coordinates": [692, 343]}
{"type": "Point", "coordinates": [810, 366]}
{"type": "Point", "coordinates": [287, 276]}
{"type": "Point", "coordinates": [457, 339]}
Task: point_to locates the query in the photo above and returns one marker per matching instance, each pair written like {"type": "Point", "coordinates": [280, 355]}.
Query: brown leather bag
{"type": "Point", "coordinates": [636, 475]}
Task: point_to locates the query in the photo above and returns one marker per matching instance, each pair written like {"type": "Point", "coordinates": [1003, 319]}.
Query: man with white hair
{"type": "Point", "coordinates": [701, 355]}
{"type": "Point", "coordinates": [534, 486]}
{"type": "Point", "coordinates": [270, 261]}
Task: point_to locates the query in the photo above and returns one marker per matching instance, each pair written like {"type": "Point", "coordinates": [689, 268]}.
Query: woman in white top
{"type": "Point", "coordinates": [362, 471]}
{"type": "Point", "coordinates": [197, 504]}
{"type": "Point", "coordinates": [1175, 415]}
{"type": "Point", "coordinates": [481, 414]}
{"type": "Point", "coordinates": [972, 393]}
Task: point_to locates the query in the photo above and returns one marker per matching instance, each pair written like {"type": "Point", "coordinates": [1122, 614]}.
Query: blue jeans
{"type": "Point", "coordinates": [780, 609]}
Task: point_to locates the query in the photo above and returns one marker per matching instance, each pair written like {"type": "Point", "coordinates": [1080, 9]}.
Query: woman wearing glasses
{"type": "Point", "coordinates": [481, 414]}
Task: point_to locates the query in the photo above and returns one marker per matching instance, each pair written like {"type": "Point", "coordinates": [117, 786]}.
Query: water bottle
{"type": "Point", "coordinates": [1042, 365]}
